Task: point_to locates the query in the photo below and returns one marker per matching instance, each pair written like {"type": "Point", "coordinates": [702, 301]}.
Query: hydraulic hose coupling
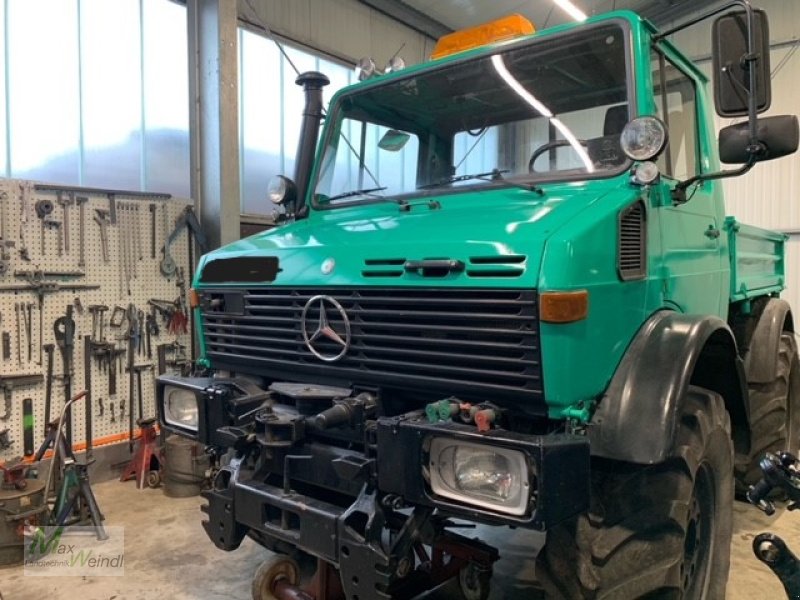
{"type": "Point", "coordinates": [444, 410]}
{"type": "Point", "coordinates": [484, 419]}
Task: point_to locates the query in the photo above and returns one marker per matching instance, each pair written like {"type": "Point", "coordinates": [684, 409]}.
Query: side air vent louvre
{"type": "Point", "coordinates": [505, 259]}
{"type": "Point", "coordinates": [383, 267]}
{"type": "Point", "coordinates": [632, 242]}
{"type": "Point", "coordinates": [506, 265]}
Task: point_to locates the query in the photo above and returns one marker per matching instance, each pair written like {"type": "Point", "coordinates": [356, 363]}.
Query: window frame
{"type": "Point", "coordinates": [660, 102]}
{"type": "Point", "coordinates": [334, 116]}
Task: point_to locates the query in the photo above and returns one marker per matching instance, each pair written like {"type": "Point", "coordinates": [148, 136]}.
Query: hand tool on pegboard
{"type": "Point", "coordinates": [23, 221]}
{"type": "Point", "coordinates": [28, 316]}
{"type": "Point", "coordinates": [17, 318]}
{"type": "Point", "coordinates": [98, 312]}
{"type": "Point", "coordinates": [87, 383]}
{"type": "Point", "coordinates": [81, 202]}
{"type": "Point", "coordinates": [5, 439]}
{"type": "Point", "coordinates": [64, 331]}
{"type": "Point", "coordinates": [5, 243]}
{"type": "Point", "coordinates": [130, 393]}
{"type": "Point", "coordinates": [65, 200]}
{"type": "Point", "coordinates": [152, 231]}
{"type": "Point", "coordinates": [44, 208]}
{"type": "Point", "coordinates": [137, 231]}
{"type": "Point", "coordinates": [48, 389]}
{"type": "Point", "coordinates": [11, 382]}
{"type": "Point", "coordinates": [101, 218]}
{"type": "Point", "coordinates": [37, 284]}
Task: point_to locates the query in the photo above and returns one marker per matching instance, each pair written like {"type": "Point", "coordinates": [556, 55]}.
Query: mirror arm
{"type": "Point", "coordinates": [678, 193]}
{"type": "Point", "coordinates": [748, 59]}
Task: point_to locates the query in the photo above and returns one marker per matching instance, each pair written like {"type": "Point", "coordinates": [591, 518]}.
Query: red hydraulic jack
{"type": "Point", "coordinates": [145, 463]}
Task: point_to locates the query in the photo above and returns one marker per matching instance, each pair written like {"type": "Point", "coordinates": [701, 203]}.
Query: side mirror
{"type": "Point", "coordinates": [778, 135]}
{"type": "Point", "coordinates": [731, 73]}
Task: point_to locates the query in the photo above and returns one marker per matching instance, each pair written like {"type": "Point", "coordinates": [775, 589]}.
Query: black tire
{"type": "Point", "coordinates": [774, 415]}
{"type": "Point", "coordinates": [660, 531]}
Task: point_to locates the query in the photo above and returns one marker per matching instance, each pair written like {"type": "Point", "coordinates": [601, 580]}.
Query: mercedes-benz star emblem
{"type": "Point", "coordinates": [323, 330]}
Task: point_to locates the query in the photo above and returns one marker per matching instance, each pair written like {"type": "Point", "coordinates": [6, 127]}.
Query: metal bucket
{"type": "Point", "coordinates": [185, 467]}
{"type": "Point", "coordinates": [18, 507]}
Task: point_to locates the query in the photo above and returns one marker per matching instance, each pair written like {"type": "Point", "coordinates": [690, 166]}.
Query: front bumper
{"type": "Point", "coordinates": [291, 485]}
{"type": "Point", "coordinates": [315, 525]}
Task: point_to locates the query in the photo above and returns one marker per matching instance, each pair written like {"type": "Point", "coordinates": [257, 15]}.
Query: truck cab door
{"type": "Point", "coordinates": [692, 248]}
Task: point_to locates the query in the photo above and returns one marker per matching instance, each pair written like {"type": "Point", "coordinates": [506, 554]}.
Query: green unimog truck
{"type": "Point", "coordinates": [505, 291]}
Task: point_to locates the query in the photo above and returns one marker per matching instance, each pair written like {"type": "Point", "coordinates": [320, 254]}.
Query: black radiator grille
{"type": "Point", "coordinates": [466, 342]}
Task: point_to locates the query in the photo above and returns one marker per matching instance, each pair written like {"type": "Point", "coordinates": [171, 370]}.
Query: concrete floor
{"type": "Point", "coordinates": [167, 555]}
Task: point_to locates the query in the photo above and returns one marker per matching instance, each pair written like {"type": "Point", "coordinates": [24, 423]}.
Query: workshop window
{"type": "Point", "coordinates": [97, 93]}
{"type": "Point", "coordinates": [270, 111]}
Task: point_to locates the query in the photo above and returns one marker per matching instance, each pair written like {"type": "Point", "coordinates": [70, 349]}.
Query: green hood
{"type": "Point", "coordinates": [498, 235]}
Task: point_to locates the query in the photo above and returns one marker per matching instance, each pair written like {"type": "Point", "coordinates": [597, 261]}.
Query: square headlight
{"type": "Point", "coordinates": [479, 474]}
{"type": "Point", "coordinates": [180, 408]}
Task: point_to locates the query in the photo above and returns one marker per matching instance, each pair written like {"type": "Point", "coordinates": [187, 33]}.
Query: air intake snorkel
{"type": "Point", "coordinates": [312, 83]}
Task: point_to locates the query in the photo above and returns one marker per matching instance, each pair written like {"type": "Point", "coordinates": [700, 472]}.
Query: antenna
{"type": "Point", "coordinates": [259, 23]}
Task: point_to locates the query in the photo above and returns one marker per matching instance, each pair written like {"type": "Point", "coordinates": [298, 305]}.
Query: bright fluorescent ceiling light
{"type": "Point", "coordinates": [572, 10]}
{"type": "Point", "coordinates": [515, 85]}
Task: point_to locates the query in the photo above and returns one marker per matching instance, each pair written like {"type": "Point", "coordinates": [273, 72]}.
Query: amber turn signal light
{"type": "Point", "coordinates": [194, 298]}
{"type": "Point", "coordinates": [563, 307]}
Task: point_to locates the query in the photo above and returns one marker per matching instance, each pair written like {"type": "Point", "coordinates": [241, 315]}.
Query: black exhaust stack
{"type": "Point", "coordinates": [312, 82]}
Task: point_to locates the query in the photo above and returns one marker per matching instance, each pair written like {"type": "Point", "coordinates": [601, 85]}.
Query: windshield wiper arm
{"type": "Point", "coordinates": [352, 193]}
{"type": "Point", "coordinates": [493, 175]}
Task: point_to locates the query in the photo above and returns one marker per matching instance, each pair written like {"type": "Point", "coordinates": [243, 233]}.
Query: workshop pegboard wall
{"type": "Point", "coordinates": [128, 275]}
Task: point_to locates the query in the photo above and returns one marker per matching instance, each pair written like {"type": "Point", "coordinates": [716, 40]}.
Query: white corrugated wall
{"type": "Point", "coordinates": [768, 196]}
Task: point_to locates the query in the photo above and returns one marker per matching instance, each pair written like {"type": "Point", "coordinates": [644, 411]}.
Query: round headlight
{"type": "Point", "coordinates": [276, 189]}
{"type": "Point", "coordinates": [645, 173]}
{"type": "Point", "coordinates": [281, 190]}
{"type": "Point", "coordinates": [644, 138]}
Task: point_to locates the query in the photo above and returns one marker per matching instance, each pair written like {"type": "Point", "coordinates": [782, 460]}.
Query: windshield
{"type": "Point", "coordinates": [549, 110]}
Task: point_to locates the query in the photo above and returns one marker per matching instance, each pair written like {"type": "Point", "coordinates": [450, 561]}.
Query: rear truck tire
{"type": "Point", "coordinates": [273, 569]}
{"type": "Point", "coordinates": [774, 414]}
{"type": "Point", "coordinates": [653, 531]}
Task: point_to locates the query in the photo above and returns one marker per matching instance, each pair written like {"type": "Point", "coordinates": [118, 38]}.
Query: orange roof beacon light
{"type": "Point", "coordinates": [505, 28]}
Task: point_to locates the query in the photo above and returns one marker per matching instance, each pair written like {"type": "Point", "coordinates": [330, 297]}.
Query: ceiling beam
{"type": "Point", "coordinates": [410, 17]}
{"type": "Point", "coordinates": [668, 11]}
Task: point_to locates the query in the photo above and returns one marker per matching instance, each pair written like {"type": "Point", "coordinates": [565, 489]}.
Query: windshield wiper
{"type": "Point", "coordinates": [364, 192]}
{"type": "Point", "coordinates": [493, 175]}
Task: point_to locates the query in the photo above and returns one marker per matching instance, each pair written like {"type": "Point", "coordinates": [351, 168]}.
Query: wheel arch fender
{"type": "Point", "coordinates": [636, 418]}
{"type": "Point", "coordinates": [762, 345]}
